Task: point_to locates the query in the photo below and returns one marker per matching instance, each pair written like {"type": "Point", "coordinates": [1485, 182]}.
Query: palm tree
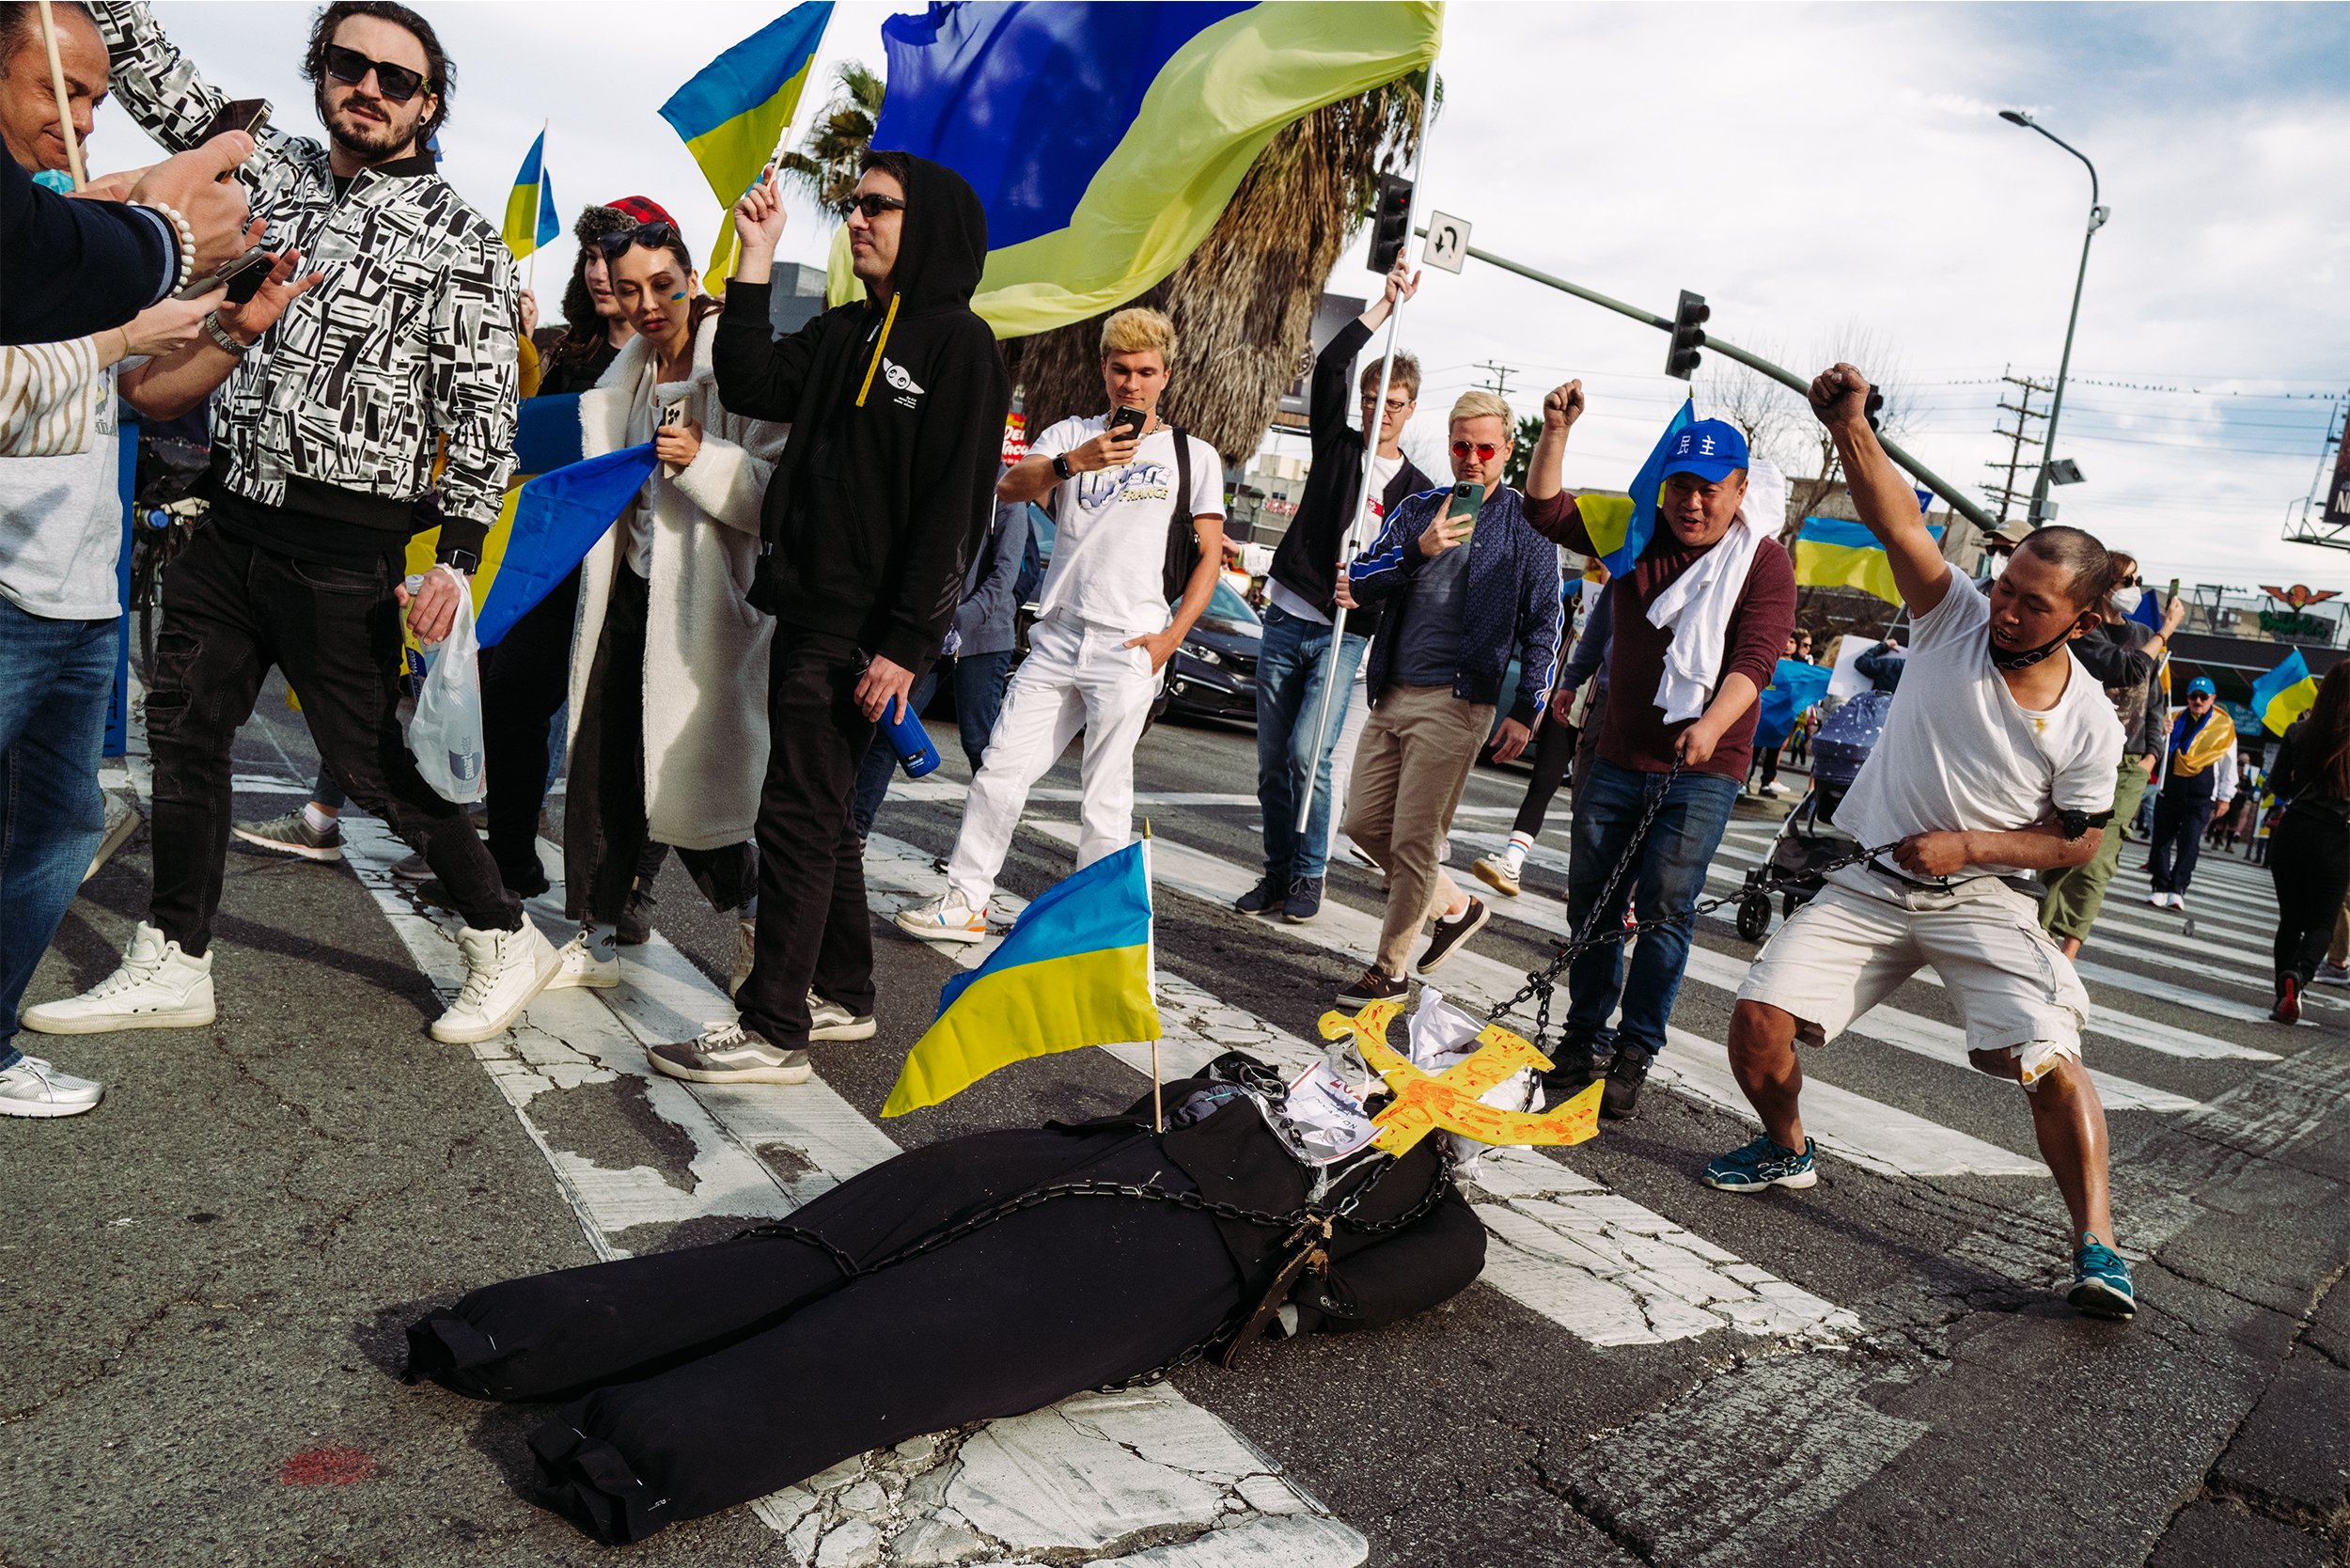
{"type": "Point", "coordinates": [1244, 302]}
{"type": "Point", "coordinates": [826, 168]}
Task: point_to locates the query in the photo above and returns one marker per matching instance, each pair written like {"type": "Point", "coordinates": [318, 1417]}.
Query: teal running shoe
{"type": "Point", "coordinates": [1765, 1164]}
{"type": "Point", "coordinates": [2101, 1281]}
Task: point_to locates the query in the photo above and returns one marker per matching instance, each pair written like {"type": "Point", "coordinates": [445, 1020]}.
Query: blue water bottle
{"type": "Point", "coordinates": [911, 742]}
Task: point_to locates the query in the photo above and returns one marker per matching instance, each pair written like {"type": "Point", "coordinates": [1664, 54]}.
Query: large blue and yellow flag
{"type": "Point", "coordinates": [736, 108]}
{"type": "Point", "coordinates": [2286, 692]}
{"type": "Point", "coordinates": [1073, 971]}
{"type": "Point", "coordinates": [1836, 552]}
{"type": "Point", "coordinates": [1621, 525]}
{"type": "Point", "coordinates": [1104, 140]}
{"type": "Point", "coordinates": [530, 208]}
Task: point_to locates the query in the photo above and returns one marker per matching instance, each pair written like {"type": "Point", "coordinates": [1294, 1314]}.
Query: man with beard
{"type": "Point", "coordinates": [324, 444]}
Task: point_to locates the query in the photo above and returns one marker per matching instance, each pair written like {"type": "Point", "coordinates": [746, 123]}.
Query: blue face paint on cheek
{"type": "Point", "coordinates": [674, 298]}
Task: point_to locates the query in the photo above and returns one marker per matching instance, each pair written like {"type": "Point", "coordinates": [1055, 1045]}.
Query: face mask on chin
{"type": "Point", "coordinates": [2012, 660]}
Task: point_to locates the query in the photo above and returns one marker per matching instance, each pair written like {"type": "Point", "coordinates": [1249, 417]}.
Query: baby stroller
{"type": "Point", "coordinates": [1809, 839]}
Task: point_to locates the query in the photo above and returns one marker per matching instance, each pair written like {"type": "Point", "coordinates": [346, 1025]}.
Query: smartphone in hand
{"type": "Point", "coordinates": [672, 413]}
{"type": "Point", "coordinates": [1467, 497]}
{"type": "Point", "coordinates": [1127, 421]}
{"type": "Point", "coordinates": [242, 276]}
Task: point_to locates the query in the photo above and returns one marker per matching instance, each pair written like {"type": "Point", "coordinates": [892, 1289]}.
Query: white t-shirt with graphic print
{"type": "Point", "coordinates": [1109, 540]}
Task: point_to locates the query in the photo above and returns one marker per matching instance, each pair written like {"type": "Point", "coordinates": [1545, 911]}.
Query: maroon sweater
{"type": "Point", "coordinates": [1635, 735]}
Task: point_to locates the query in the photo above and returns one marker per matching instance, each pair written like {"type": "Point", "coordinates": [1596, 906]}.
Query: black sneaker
{"type": "Point", "coordinates": [1304, 902]}
{"type": "Point", "coordinates": [1373, 987]}
{"type": "Point", "coordinates": [635, 921]}
{"type": "Point", "coordinates": [1264, 898]}
{"type": "Point", "coordinates": [1452, 933]}
{"type": "Point", "coordinates": [1574, 1065]}
{"type": "Point", "coordinates": [1625, 1076]}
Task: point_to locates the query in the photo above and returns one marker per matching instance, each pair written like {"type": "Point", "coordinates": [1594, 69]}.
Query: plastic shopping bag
{"type": "Point", "coordinates": [445, 731]}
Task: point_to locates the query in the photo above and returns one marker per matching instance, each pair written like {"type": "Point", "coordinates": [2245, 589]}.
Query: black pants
{"type": "Point", "coordinates": [1554, 756]}
{"type": "Point", "coordinates": [2179, 823]}
{"type": "Point", "coordinates": [603, 831]}
{"type": "Point", "coordinates": [1766, 764]}
{"type": "Point", "coordinates": [2309, 859]}
{"type": "Point", "coordinates": [230, 613]}
{"type": "Point", "coordinates": [814, 930]}
{"type": "Point", "coordinates": [525, 680]}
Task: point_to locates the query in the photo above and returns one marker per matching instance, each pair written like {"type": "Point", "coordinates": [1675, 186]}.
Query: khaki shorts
{"type": "Point", "coordinates": [1866, 933]}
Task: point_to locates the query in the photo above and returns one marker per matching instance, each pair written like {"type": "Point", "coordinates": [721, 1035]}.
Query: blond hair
{"type": "Point", "coordinates": [1481, 404]}
{"type": "Point", "coordinates": [1138, 329]}
{"type": "Point", "coordinates": [1405, 375]}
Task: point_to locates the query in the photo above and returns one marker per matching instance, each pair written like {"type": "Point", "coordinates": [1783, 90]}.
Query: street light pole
{"type": "Point", "coordinates": [2097, 215]}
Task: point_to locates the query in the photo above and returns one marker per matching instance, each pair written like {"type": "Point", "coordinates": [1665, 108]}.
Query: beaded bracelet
{"type": "Point", "coordinates": [187, 243]}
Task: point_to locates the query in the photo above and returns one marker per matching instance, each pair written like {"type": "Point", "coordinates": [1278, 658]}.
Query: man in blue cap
{"type": "Point", "coordinates": [2198, 779]}
{"type": "Point", "coordinates": [1699, 621]}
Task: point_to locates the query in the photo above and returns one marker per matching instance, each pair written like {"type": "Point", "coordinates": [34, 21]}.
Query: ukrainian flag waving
{"type": "Point", "coordinates": [1104, 140]}
{"type": "Point", "coordinates": [1073, 971]}
{"type": "Point", "coordinates": [2286, 692]}
{"type": "Point", "coordinates": [1836, 552]}
{"type": "Point", "coordinates": [530, 206]}
{"type": "Point", "coordinates": [734, 111]}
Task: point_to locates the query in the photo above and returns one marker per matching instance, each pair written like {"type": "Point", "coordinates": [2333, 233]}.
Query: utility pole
{"type": "Point", "coordinates": [1496, 377]}
{"type": "Point", "coordinates": [2006, 493]}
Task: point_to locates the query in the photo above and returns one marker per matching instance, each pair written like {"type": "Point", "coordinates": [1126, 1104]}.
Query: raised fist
{"type": "Point", "coordinates": [1562, 406]}
{"type": "Point", "coordinates": [1840, 395]}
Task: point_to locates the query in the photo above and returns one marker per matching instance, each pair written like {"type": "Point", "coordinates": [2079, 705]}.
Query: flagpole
{"type": "Point", "coordinates": [1150, 980]}
{"type": "Point", "coordinates": [1347, 538]}
{"type": "Point", "coordinates": [530, 268]}
{"type": "Point", "coordinates": [783, 142]}
{"type": "Point", "coordinates": [65, 111]}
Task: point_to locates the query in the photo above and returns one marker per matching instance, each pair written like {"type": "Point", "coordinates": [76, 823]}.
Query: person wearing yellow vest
{"type": "Point", "coordinates": [2200, 779]}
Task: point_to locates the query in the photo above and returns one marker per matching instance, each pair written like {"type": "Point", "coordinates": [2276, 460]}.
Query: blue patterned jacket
{"type": "Point", "coordinates": [1513, 605]}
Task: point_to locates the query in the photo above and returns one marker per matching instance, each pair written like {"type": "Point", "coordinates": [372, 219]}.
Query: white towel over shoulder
{"type": "Point", "coordinates": [1696, 609]}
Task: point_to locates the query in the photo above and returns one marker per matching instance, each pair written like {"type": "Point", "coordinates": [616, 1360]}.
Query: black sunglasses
{"type": "Point", "coordinates": [349, 67]}
{"type": "Point", "coordinates": [873, 204]}
{"type": "Point", "coordinates": [652, 236]}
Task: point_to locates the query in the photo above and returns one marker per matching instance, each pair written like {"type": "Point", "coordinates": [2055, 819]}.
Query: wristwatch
{"type": "Point", "coordinates": [466, 562]}
{"type": "Point", "coordinates": [1060, 466]}
{"type": "Point", "coordinates": [219, 335]}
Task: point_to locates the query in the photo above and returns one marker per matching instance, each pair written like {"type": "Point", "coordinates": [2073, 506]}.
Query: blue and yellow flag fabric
{"type": "Point", "coordinates": [2286, 692]}
{"type": "Point", "coordinates": [530, 208]}
{"type": "Point", "coordinates": [1073, 971]}
{"type": "Point", "coordinates": [1104, 140]}
{"type": "Point", "coordinates": [736, 108]}
{"type": "Point", "coordinates": [1621, 525]}
{"type": "Point", "coordinates": [1836, 552]}
{"type": "Point", "coordinates": [1795, 688]}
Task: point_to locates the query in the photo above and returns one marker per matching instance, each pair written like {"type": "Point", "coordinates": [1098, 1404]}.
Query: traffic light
{"type": "Point", "coordinates": [1689, 317]}
{"type": "Point", "coordinates": [1390, 221]}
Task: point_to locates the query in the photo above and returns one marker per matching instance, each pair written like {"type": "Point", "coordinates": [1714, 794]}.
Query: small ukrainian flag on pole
{"type": "Point", "coordinates": [733, 114]}
{"type": "Point", "coordinates": [530, 207]}
{"type": "Point", "coordinates": [1075, 970]}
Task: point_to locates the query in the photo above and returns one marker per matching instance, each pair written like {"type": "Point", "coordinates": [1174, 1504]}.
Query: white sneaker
{"type": "Point", "coordinates": [1499, 872]}
{"type": "Point", "coordinates": [2160, 901]}
{"type": "Point", "coordinates": [2178, 901]}
{"type": "Point", "coordinates": [2332, 974]}
{"type": "Point", "coordinates": [504, 970]}
{"type": "Point", "coordinates": [576, 965]}
{"type": "Point", "coordinates": [745, 954]}
{"type": "Point", "coordinates": [831, 1021]}
{"type": "Point", "coordinates": [158, 987]}
{"type": "Point", "coordinates": [1774, 788]}
{"type": "Point", "coordinates": [944, 919]}
{"type": "Point", "coordinates": [33, 1088]}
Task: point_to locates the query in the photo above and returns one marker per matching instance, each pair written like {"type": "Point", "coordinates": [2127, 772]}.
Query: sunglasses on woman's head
{"type": "Point", "coordinates": [349, 67]}
{"type": "Point", "coordinates": [1484, 450]}
{"type": "Point", "coordinates": [652, 236]}
{"type": "Point", "coordinates": [873, 204]}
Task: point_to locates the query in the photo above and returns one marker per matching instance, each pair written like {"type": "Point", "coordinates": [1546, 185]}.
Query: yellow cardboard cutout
{"type": "Point", "coordinates": [1449, 1100]}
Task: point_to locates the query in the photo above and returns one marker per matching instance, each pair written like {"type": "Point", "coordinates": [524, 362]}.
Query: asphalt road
{"type": "Point", "coordinates": [209, 1275]}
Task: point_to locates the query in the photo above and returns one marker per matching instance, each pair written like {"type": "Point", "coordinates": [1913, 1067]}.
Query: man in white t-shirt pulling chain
{"type": "Point", "coordinates": [1104, 632]}
{"type": "Point", "coordinates": [1997, 758]}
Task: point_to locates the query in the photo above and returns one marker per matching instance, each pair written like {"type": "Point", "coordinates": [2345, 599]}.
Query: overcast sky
{"type": "Point", "coordinates": [1823, 175]}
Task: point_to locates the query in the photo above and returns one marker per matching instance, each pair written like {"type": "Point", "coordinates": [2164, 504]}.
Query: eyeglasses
{"type": "Point", "coordinates": [1484, 450]}
{"type": "Point", "coordinates": [1395, 405]}
{"type": "Point", "coordinates": [2125, 582]}
{"type": "Point", "coordinates": [652, 236]}
{"type": "Point", "coordinates": [349, 67]}
{"type": "Point", "coordinates": [873, 204]}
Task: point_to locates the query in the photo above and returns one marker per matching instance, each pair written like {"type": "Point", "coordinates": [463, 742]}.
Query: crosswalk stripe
{"type": "Point", "coordinates": [1868, 1132]}
{"type": "Point", "coordinates": [1083, 1468]}
{"type": "Point", "coordinates": [1594, 1262]}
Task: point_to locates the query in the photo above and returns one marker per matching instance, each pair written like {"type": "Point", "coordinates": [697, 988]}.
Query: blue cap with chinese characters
{"type": "Point", "coordinates": [2202, 686]}
{"type": "Point", "coordinates": [1711, 449]}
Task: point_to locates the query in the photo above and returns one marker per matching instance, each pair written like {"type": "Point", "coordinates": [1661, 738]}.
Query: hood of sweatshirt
{"type": "Point", "coordinates": [941, 246]}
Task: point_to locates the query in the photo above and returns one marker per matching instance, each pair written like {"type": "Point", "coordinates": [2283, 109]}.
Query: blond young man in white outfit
{"type": "Point", "coordinates": [1997, 760]}
{"type": "Point", "coordinates": [1105, 632]}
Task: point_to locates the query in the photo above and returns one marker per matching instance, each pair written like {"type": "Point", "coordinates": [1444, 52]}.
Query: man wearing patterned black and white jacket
{"type": "Point", "coordinates": [325, 444]}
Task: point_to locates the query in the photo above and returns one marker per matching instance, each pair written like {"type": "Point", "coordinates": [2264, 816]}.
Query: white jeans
{"type": "Point", "coordinates": [1078, 676]}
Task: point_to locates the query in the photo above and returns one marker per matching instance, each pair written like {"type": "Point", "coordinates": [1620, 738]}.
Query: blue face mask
{"type": "Point", "coordinates": [54, 180]}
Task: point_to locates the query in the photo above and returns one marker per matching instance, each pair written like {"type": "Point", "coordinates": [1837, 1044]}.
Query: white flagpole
{"type": "Point", "coordinates": [65, 108]}
{"type": "Point", "coordinates": [1150, 979]}
{"type": "Point", "coordinates": [1347, 540]}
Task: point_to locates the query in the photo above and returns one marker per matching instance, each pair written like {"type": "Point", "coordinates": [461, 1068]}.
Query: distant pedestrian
{"type": "Point", "coordinates": [1881, 666]}
{"type": "Point", "coordinates": [2200, 781]}
{"type": "Point", "coordinates": [1765, 772]}
{"type": "Point", "coordinates": [1459, 597]}
{"type": "Point", "coordinates": [2308, 856]}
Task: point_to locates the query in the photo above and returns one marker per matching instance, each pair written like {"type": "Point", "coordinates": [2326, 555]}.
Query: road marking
{"type": "Point", "coordinates": [1084, 1474]}
{"type": "Point", "coordinates": [1598, 1264]}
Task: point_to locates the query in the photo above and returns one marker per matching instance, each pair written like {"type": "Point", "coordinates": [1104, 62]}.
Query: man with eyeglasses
{"type": "Point", "coordinates": [2126, 656]}
{"type": "Point", "coordinates": [1302, 604]}
{"type": "Point", "coordinates": [326, 439]}
{"type": "Point", "coordinates": [1460, 596]}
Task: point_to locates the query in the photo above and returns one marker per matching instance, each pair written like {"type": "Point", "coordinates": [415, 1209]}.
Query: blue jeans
{"type": "Point", "coordinates": [1289, 695]}
{"type": "Point", "coordinates": [56, 679]}
{"type": "Point", "coordinates": [979, 681]}
{"type": "Point", "coordinates": [1664, 880]}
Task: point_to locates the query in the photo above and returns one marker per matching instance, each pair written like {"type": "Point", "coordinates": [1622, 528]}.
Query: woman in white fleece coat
{"type": "Point", "coordinates": [669, 680]}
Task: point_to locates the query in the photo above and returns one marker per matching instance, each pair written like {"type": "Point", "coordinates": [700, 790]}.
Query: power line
{"type": "Point", "coordinates": [1496, 377]}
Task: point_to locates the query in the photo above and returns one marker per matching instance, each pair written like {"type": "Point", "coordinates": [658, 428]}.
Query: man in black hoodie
{"type": "Point", "coordinates": [896, 411]}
